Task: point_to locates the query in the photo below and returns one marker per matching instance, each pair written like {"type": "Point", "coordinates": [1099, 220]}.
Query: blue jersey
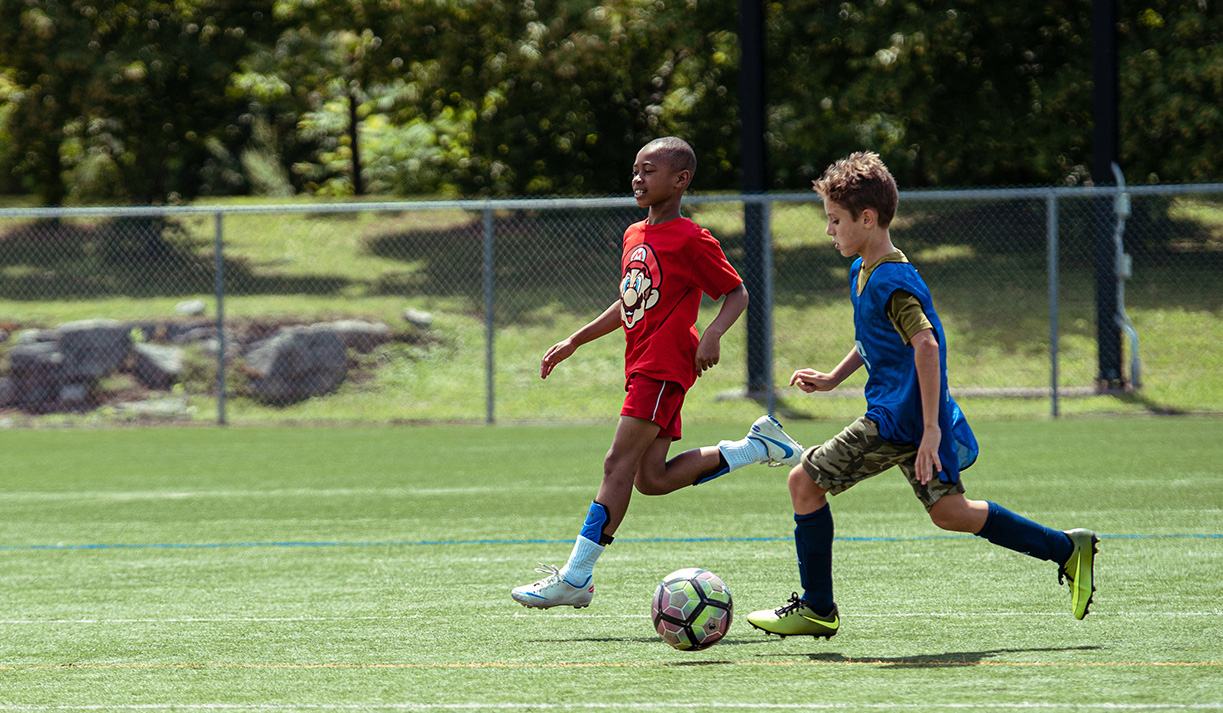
{"type": "Point", "coordinates": [893, 395]}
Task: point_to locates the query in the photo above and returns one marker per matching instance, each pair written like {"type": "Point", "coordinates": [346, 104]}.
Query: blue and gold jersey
{"type": "Point", "coordinates": [893, 395]}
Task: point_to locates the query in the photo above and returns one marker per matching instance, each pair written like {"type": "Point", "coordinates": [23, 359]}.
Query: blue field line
{"type": "Point", "coordinates": [435, 543]}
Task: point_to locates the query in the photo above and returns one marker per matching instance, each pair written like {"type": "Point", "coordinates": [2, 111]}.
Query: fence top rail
{"type": "Point", "coordinates": [980, 194]}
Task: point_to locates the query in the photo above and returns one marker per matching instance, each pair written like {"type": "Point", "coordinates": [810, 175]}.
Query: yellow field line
{"type": "Point", "coordinates": [603, 664]}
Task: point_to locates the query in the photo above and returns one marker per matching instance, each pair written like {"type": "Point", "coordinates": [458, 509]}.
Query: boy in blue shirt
{"type": "Point", "coordinates": [911, 420]}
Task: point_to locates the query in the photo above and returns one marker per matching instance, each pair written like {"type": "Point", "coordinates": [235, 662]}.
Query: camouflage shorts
{"type": "Point", "coordinates": [858, 453]}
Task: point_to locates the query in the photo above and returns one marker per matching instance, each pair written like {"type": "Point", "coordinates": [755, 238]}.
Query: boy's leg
{"type": "Point", "coordinates": [572, 584]}
{"type": "Point", "coordinates": [766, 442]}
{"type": "Point", "coordinates": [1073, 551]}
{"type": "Point", "coordinates": [815, 612]}
{"type": "Point", "coordinates": [855, 454]}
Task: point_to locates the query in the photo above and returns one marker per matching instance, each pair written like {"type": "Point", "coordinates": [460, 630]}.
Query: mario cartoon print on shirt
{"type": "Point", "coordinates": [639, 286]}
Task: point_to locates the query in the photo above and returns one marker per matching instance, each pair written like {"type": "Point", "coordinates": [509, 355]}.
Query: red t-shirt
{"type": "Point", "coordinates": [664, 269]}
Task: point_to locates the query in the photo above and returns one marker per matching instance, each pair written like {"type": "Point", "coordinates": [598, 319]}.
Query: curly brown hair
{"type": "Point", "coordinates": [860, 181]}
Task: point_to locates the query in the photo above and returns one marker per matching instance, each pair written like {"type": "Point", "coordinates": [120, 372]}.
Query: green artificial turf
{"type": "Point", "coordinates": [369, 568]}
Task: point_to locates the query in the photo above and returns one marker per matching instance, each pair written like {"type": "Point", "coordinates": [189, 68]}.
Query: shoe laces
{"type": "Point", "coordinates": [553, 572]}
{"type": "Point", "coordinates": [771, 462]}
{"type": "Point", "coordinates": [795, 603]}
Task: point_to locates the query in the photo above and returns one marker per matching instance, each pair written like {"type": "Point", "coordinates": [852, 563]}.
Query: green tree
{"type": "Point", "coordinates": [46, 48]}
{"type": "Point", "coordinates": [130, 92]}
{"type": "Point", "coordinates": [959, 93]}
{"type": "Point", "coordinates": [1172, 91]}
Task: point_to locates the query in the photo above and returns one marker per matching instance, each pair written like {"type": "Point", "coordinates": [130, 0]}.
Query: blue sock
{"type": "Point", "coordinates": [813, 540]}
{"type": "Point", "coordinates": [1014, 532]}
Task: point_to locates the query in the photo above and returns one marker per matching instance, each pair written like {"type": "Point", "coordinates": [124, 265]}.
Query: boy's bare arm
{"type": "Point", "coordinates": [926, 359]}
{"type": "Point", "coordinates": [810, 380]}
{"type": "Point", "coordinates": [602, 325]}
{"type": "Point", "coordinates": [709, 350]}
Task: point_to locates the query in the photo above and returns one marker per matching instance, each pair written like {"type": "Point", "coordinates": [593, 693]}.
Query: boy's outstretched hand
{"type": "Point", "coordinates": [810, 380]}
{"type": "Point", "coordinates": [558, 353]}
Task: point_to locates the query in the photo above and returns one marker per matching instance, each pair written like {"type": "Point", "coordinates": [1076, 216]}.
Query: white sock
{"type": "Point", "coordinates": [581, 565]}
{"type": "Point", "coordinates": [743, 452]}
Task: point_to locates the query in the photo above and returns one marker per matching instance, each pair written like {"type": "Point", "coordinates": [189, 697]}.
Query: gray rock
{"type": "Point", "coordinates": [169, 409]}
{"type": "Point", "coordinates": [73, 395]}
{"type": "Point", "coordinates": [192, 308]}
{"type": "Point", "coordinates": [158, 366]}
{"type": "Point", "coordinates": [362, 336]}
{"type": "Point", "coordinates": [418, 318]}
{"type": "Point", "coordinates": [36, 359]}
{"type": "Point", "coordinates": [93, 347]}
{"type": "Point", "coordinates": [296, 364]}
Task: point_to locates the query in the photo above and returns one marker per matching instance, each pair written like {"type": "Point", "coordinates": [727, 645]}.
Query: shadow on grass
{"type": "Point", "coordinates": [636, 640]}
{"type": "Point", "coordinates": [951, 659]}
{"type": "Point", "coordinates": [58, 260]}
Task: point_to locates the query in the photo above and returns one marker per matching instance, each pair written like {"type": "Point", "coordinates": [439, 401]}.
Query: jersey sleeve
{"type": "Point", "coordinates": [713, 272]}
{"type": "Point", "coordinates": [905, 312]}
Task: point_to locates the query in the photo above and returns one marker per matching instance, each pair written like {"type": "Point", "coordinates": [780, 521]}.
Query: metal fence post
{"type": "Point", "coordinates": [1051, 222]}
{"type": "Point", "coordinates": [220, 295]}
{"type": "Point", "coordinates": [766, 244]}
{"type": "Point", "coordinates": [489, 331]}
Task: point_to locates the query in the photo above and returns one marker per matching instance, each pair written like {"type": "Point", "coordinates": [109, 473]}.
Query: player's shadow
{"type": "Point", "coordinates": [635, 640]}
{"type": "Point", "coordinates": [946, 660]}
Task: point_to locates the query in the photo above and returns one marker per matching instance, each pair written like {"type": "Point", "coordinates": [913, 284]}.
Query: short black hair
{"type": "Point", "coordinates": [676, 152]}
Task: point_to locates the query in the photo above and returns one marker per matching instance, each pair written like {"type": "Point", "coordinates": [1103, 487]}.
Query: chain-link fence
{"type": "Point", "coordinates": [440, 311]}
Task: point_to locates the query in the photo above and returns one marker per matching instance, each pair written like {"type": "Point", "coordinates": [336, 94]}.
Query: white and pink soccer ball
{"type": "Point", "coordinates": [692, 609]}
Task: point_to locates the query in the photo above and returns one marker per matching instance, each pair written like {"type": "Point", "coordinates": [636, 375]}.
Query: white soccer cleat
{"type": "Point", "coordinates": [554, 591]}
{"type": "Point", "coordinates": [781, 449]}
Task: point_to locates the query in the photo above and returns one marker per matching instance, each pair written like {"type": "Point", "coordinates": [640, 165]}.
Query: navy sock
{"type": "Point", "coordinates": [723, 469]}
{"type": "Point", "coordinates": [1014, 532]}
{"type": "Point", "coordinates": [813, 539]}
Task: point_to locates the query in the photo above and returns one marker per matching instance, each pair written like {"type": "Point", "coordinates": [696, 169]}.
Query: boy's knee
{"type": "Point", "coordinates": [798, 478]}
{"type": "Point", "coordinates": [647, 485]}
{"type": "Point", "coordinates": [805, 495]}
{"type": "Point", "coordinates": [956, 514]}
{"type": "Point", "coordinates": [943, 519]}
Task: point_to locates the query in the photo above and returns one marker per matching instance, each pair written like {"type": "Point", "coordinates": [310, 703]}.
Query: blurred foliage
{"type": "Point", "coordinates": [154, 101]}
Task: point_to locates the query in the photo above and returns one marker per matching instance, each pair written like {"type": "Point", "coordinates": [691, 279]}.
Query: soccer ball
{"type": "Point", "coordinates": [692, 609]}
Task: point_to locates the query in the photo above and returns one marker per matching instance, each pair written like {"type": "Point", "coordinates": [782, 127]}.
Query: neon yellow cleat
{"type": "Point", "coordinates": [1079, 570]}
{"type": "Point", "coordinates": [796, 619]}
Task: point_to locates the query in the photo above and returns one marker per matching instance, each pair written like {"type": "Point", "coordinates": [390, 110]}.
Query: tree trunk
{"type": "Point", "coordinates": [358, 187]}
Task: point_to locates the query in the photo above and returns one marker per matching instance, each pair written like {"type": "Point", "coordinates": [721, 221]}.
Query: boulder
{"type": "Point", "coordinates": [359, 335]}
{"type": "Point", "coordinates": [37, 369]}
{"type": "Point", "coordinates": [157, 366]}
{"type": "Point", "coordinates": [418, 318]}
{"type": "Point", "coordinates": [93, 347]}
{"type": "Point", "coordinates": [74, 395]}
{"type": "Point", "coordinates": [190, 308]}
{"type": "Point", "coordinates": [296, 364]}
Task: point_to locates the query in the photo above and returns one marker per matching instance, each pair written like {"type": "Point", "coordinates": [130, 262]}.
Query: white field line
{"type": "Point", "coordinates": [539, 616]}
{"type": "Point", "coordinates": [87, 496]}
{"type": "Point", "coordinates": [595, 705]}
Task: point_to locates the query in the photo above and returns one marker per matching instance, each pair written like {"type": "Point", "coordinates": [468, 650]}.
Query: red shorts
{"type": "Point", "coordinates": [656, 401]}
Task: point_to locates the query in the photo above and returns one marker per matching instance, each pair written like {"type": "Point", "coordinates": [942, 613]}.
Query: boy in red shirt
{"type": "Point", "coordinates": [667, 262]}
